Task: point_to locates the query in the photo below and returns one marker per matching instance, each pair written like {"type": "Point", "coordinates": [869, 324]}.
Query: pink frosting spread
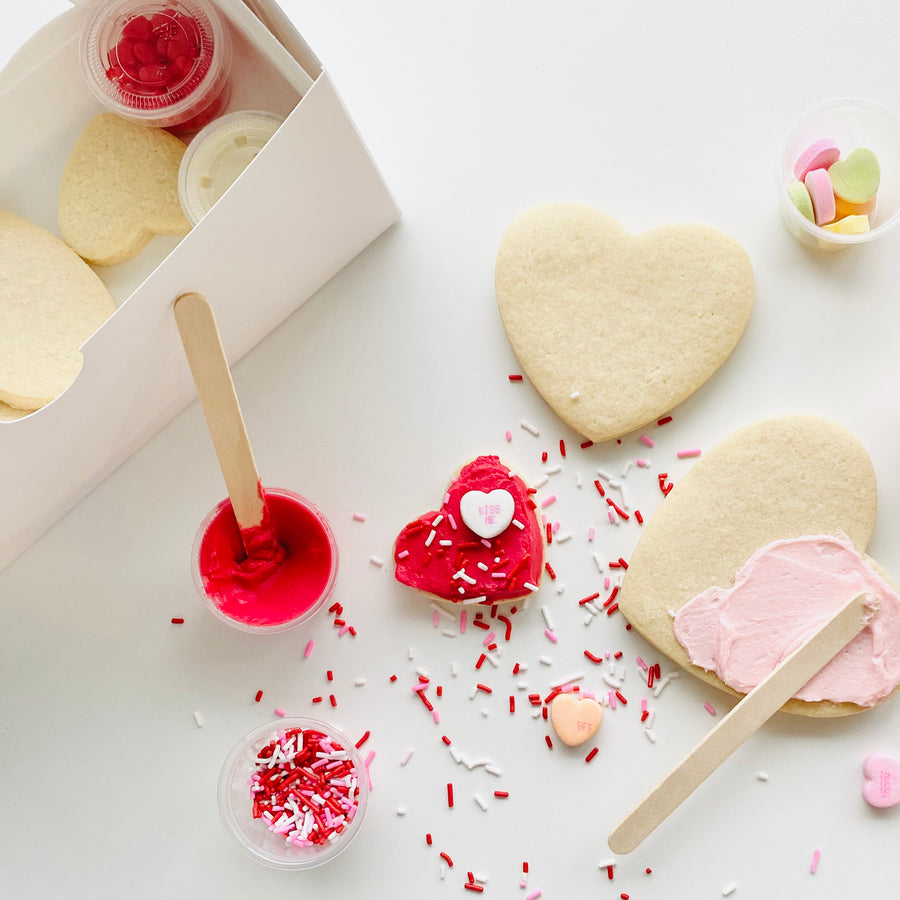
{"type": "Point", "coordinates": [439, 554]}
{"type": "Point", "coordinates": [781, 595]}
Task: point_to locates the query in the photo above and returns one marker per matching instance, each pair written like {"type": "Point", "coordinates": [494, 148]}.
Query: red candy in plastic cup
{"type": "Point", "coordinates": [163, 63]}
{"type": "Point", "coordinates": [262, 599]}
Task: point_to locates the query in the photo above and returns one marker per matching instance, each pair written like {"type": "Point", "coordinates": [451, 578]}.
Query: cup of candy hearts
{"type": "Point", "coordinates": [293, 793]}
{"type": "Point", "coordinates": [838, 172]}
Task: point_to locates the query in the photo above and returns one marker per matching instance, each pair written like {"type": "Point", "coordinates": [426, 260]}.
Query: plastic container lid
{"type": "Point", "coordinates": [158, 62]}
{"type": "Point", "coordinates": [217, 156]}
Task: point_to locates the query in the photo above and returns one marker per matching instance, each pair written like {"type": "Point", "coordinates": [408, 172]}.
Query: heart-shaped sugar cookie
{"type": "Point", "coordinates": [615, 329]}
{"type": "Point", "coordinates": [50, 303]}
{"type": "Point", "coordinates": [439, 553]}
{"type": "Point", "coordinates": [777, 479]}
{"type": "Point", "coordinates": [575, 719]}
{"type": "Point", "coordinates": [119, 188]}
{"type": "Point", "coordinates": [881, 784]}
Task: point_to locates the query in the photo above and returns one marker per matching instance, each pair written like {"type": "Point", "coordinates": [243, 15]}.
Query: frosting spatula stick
{"type": "Point", "coordinates": [751, 712]}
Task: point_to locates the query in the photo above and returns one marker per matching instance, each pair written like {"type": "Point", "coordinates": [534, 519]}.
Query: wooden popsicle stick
{"type": "Point", "coordinates": [206, 357]}
{"type": "Point", "coordinates": [751, 712]}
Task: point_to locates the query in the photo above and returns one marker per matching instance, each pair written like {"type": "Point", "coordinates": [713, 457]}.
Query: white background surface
{"type": "Point", "coordinates": [374, 392]}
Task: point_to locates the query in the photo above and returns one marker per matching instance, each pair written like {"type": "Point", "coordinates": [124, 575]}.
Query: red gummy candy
{"type": "Point", "coordinates": [137, 29]}
{"type": "Point", "coordinates": [177, 47]}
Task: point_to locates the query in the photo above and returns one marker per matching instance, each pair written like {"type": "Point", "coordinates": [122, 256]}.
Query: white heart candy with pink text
{"type": "Point", "coordinates": [487, 514]}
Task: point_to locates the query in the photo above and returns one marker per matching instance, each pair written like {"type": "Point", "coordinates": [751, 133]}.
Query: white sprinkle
{"type": "Point", "coordinates": [592, 609]}
{"type": "Point", "coordinates": [518, 524]}
{"type": "Point", "coordinates": [407, 756]}
{"type": "Point", "coordinates": [530, 586]}
{"type": "Point", "coordinates": [604, 474]}
{"type": "Point", "coordinates": [443, 872]}
{"type": "Point", "coordinates": [651, 718]}
{"type": "Point", "coordinates": [541, 481]}
{"type": "Point", "coordinates": [457, 756]}
{"type": "Point", "coordinates": [481, 878]}
{"type": "Point", "coordinates": [569, 679]}
{"type": "Point", "coordinates": [598, 561]}
{"type": "Point", "coordinates": [626, 499]}
{"type": "Point", "coordinates": [401, 810]}
{"type": "Point", "coordinates": [589, 618]}
{"type": "Point", "coordinates": [437, 520]}
{"type": "Point", "coordinates": [476, 763]}
{"type": "Point", "coordinates": [473, 693]}
{"type": "Point", "coordinates": [198, 718]}
{"type": "Point", "coordinates": [482, 566]}
{"type": "Point", "coordinates": [671, 613]}
{"type": "Point", "coordinates": [490, 658]}
{"type": "Point", "coordinates": [545, 661]}
{"type": "Point", "coordinates": [376, 561]}
{"type": "Point", "coordinates": [523, 667]}
{"type": "Point", "coordinates": [546, 614]}
{"type": "Point", "coordinates": [612, 682]}
{"type": "Point", "coordinates": [762, 776]}
{"type": "Point", "coordinates": [410, 653]}
{"type": "Point", "coordinates": [522, 686]}
{"type": "Point", "coordinates": [661, 685]}
{"type": "Point", "coordinates": [535, 713]}
{"type": "Point", "coordinates": [609, 863]}
{"type": "Point", "coordinates": [621, 672]}
{"type": "Point", "coordinates": [446, 543]}
{"type": "Point", "coordinates": [574, 395]}
{"type": "Point", "coordinates": [553, 470]}
{"type": "Point", "coordinates": [443, 612]}
{"type": "Point", "coordinates": [359, 517]}
{"type": "Point", "coordinates": [613, 518]}
{"type": "Point", "coordinates": [578, 479]}
{"type": "Point", "coordinates": [423, 672]}
{"type": "Point", "coordinates": [454, 668]}
{"type": "Point", "coordinates": [360, 682]}
{"type": "Point", "coordinates": [562, 538]}
{"type": "Point", "coordinates": [626, 468]}
{"type": "Point", "coordinates": [430, 537]}
{"type": "Point", "coordinates": [480, 801]}
{"type": "Point", "coordinates": [729, 888]}
{"type": "Point", "coordinates": [530, 428]}
{"type": "Point", "coordinates": [560, 589]}
{"type": "Point", "coordinates": [448, 632]}
{"type": "Point", "coordinates": [493, 770]}
{"type": "Point", "coordinates": [467, 578]}
{"type": "Point", "coordinates": [651, 735]}
{"type": "Point", "coordinates": [485, 713]}
{"type": "Point", "coordinates": [613, 483]}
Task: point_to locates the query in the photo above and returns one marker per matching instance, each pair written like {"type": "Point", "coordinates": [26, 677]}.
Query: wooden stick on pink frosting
{"type": "Point", "coordinates": [756, 707]}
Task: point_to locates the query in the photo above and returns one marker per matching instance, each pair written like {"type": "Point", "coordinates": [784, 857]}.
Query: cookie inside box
{"type": "Point", "coordinates": [48, 106]}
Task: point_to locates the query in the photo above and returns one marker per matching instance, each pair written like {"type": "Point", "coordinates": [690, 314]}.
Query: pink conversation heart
{"type": "Point", "coordinates": [882, 780]}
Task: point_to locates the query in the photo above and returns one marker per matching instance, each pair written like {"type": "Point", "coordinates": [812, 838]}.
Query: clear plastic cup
{"type": "Point", "coordinates": [851, 123]}
{"type": "Point", "coordinates": [236, 799]}
{"type": "Point", "coordinates": [217, 156]}
{"type": "Point", "coordinates": [305, 581]}
{"type": "Point", "coordinates": [163, 63]}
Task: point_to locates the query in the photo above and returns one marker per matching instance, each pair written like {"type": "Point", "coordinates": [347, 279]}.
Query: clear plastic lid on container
{"type": "Point", "coordinates": [163, 63]}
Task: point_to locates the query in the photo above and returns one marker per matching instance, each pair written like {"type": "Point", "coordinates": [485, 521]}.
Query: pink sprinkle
{"type": "Point", "coordinates": [647, 441]}
{"type": "Point", "coordinates": [369, 757]}
{"type": "Point", "coordinates": [550, 635]}
{"type": "Point", "coordinates": [435, 619]}
{"type": "Point", "coordinates": [815, 861]}
{"type": "Point", "coordinates": [686, 454]}
{"type": "Point", "coordinates": [642, 463]}
{"type": "Point", "coordinates": [421, 686]}
{"type": "Point", "coordinates": [436, 716]}
{"type": "Point", "coordinates": [709, 708]}
{"type": "Point", "coordinates": [611, 516]}
{"type": "Point", "coordinates": [509, 435]}
{"type": "Point", "coordinates": [463, 619]}
{"type": "Point", "coordinates": [344, 630]}
{"type": "Point", "coordinates": [555, 527]}
{"type": "Point", "coordinates": [403, 554]}
{"type": "Point", "coordinates": [606, 579]}
{"type": "Point", "coordinates": [359, 517]}
{"type": "Point", "coordinates": [547, 501]}
{"type": "Point", "coordinates": [534, 895]}
{"type": "Point", "coordinates": [612, 699]}
{"type": "Point", "coordinates": [489, 639]}
{"type": "Point", "coordinates": [590, 533]}
{"type": "Point", "coordinates": [641, 663]}
{"type": "Point", "coordinates": [279, 712]}
{"type": "Point", "coordinates": [644, 705]}
{"type": "Point", "coordinates": [309, 649]}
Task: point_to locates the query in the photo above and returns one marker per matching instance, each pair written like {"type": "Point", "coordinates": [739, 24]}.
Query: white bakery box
{"type": "Point", "coordinates": [304, 207]}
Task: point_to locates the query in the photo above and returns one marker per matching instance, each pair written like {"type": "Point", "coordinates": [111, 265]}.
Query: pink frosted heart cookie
{"type": "Point", "coordinates": [881, 785]}
{"type": "Point", "coordinates": [575, 719]}
{"type": "Point", "coordinates": [484, 544]}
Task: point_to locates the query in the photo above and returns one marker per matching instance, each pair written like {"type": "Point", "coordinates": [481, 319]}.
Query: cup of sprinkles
{"type": "Point", "coordinates": [293, 793]}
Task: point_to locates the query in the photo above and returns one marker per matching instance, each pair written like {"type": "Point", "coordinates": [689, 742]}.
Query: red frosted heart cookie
{"type": "Point", "coordinates": [483, 545]}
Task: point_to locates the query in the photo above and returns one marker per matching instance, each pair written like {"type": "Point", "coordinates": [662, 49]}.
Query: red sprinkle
{"type": "Point", "coordinates": [501, 794]}
{"type": "Point", "coordinates": [586, 444]}
{"type": "Point", "coordinates": [178, 621]}
{"type": "Point", "coordinates": [549, 742]}
{"type": "Point", "coordinates": [446, 740]}
{"type": "Point", "coordinates": [439, 690]}
{"type": "Point", "coordinates": [258, 696]}
{"type": "Point", "coordinates": [663, 421]}
{"type": "Point", "coordinates": [508, 625]}
{"type": "Point", "coordinates": [480, 623]}
{"type": "Point", "coordinates": [621, 512]}
{"type": "Point", "coordinates": [549, 533]}
{"type": "Point", "coordinates": [638, 517]}
{"type": "Point", "coordinates": [544, 457]}
{"type": "Point", "coordinates": [484, 688]}
{"type": "Point", "coordinates": [592, 754]}
{"type": "Point", "coordinates": [584, 600]}
{"type": "Point", "coordinates": [446, 858]}
{"type": "Point", "coordinates": [515, 377]}
{"type": "Point", "coordinates": [609, 872]}
{"type": "Point", "coordinates": [549, 569]}
{"type": "Point", "coordinates": [622, 699]}
{"type": "Point", "coordinates": [622, 563]}
{"type": "Point", "coordinates": [512, 703]}
{"type": "Point", "coordinates": [335, 608]}
{"type": "Point", "coordinates": [363, 739]}
{"type": "Point", "coordinates": [450, 797]}
{"type": "Point", "coordinates": [333, 699]}
{"type": "Point", "coordinates": [612, 609]}
{"type": "Point", "coordinates": [592, 658]}
{"type": "Point", "coordinates": [617, 654]}
{"type": "Point", "coordinates": [480, 662]}
{"type": "Point", "coordinates": [525, 867]}
{"type": "Point", "coordinates": [428, 838]}
{"type": "Point", "coordinates": [599, 488]}
{"type": "Point", "coordinates": [648, 871]}
{"type": "Point", "coordinates": [562, 448]}
{"type": "Point", "coordinates": [329, 675]}
{"type": "Point", "coordinates": [471, 886]}
{"type": "Point", "coordinates": [317, 699]}
{"type": "Point", "coordinates": [392, 678]}
{"type": "Point", "coordinates": [611, 597]}
{"type": "Point", "coordinates": [516, 669]}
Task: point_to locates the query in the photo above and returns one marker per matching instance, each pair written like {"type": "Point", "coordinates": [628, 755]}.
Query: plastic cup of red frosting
{"type": "Point", "coordinates": [293, 793]}
{"type": "Point", "coordinates": [283, 580]}
{"type": "Point", "coordinates": [163, 63]}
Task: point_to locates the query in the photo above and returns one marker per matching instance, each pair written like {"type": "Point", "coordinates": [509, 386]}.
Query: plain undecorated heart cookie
{"type": "Point", "coordinates": [615, 329]}
{"type": "Point", "coordinates": [484, 543]}
{"type": "Point", "coordinates": [119, 188]}
{"type": "Point", "coordinates": [50, 303]}
{"type": "Point", "coordinates": [782, 478]}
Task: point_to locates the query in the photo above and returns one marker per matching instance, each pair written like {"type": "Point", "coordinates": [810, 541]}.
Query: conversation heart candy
{"type": "Point", "coordinates": [881, 787]}
{"type": "Point", "coordinates": [800, 198]}
{"type": "Point", "coordinates": [487, 514]}
{"type": "Point", "coordinates": [849, 225]}
{"type": "Point", "coordinates": [856, 178]}
{"type": "Point", "coordinates": [575, 719]}
{"type": "Point", "coordinates": [819, 155]}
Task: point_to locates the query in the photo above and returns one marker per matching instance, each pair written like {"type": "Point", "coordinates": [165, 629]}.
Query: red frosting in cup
{"type": "Point", "coordinates": [270, 574]}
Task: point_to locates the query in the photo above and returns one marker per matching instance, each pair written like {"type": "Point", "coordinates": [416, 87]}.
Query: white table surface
{"type": "Point", "coordinates": [369, 397]}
